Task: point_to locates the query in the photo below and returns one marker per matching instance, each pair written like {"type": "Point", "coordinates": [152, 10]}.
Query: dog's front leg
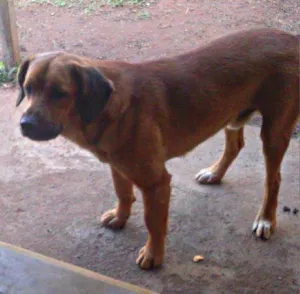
{"type": "Point", "coordinates": [117, 218]}
{"type": "Point", "coordinates": [156, 209]}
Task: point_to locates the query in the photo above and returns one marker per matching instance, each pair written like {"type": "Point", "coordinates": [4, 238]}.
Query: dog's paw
{"type": "Point", "coordinates": [263, 228]}
{"type": "Point", "coordinates": [110, 220]}
{"type": "Point", "coordinates": [206, 176]}
{"type": "Point", "coordinates": [146, 260]}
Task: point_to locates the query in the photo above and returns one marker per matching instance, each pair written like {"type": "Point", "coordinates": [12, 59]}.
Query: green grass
{"type": "Point", "coordinates": [7, 76]}
{"type": "Point", "coordinates": [144, 14]}
{"type": "Point", "coordinates": [58, 3]}
{"type": "Point", "coordinates": [89, 6]}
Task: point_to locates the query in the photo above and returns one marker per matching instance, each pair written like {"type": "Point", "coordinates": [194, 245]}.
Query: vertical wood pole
{"type": "Point", "coordinates": [8, 34]}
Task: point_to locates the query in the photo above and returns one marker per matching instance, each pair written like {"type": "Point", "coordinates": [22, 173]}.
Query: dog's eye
{"type": "Point", "coordinates": [57, 94]}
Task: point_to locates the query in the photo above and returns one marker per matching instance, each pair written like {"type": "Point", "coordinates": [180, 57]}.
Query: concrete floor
{"type": "Point", "coordinates": [26, 272]}
{"type": "Point", "coordinates": [52, 196]}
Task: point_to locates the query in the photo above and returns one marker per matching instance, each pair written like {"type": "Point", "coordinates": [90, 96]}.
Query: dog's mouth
{"type": "Point", "coordinates": [39, 130]}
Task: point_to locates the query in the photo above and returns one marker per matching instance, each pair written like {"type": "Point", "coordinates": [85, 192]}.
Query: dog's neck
{"type": "Point", "coordinates": [108, 133]}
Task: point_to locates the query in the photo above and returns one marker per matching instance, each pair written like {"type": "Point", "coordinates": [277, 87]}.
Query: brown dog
{"type": "Point", "coordinates": [137, 116]}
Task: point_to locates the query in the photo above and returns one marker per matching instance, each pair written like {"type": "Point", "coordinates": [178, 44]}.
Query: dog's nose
{"type": "Point", "coordinates": [28, 123]}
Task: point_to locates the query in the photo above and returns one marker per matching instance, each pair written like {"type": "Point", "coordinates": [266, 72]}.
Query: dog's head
{"type": "Point", "coordinates": [61, 88]}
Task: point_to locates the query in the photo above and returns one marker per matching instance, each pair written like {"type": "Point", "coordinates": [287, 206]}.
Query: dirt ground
{"type": "Point", "coordinates": [52, 194]}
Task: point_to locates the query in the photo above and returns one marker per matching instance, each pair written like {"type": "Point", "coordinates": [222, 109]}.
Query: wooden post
{"type": "Point", "coordinates": [8, 32]}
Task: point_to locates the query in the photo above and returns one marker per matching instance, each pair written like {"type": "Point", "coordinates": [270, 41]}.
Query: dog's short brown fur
{"type": "Point", "coordinates": [137, 116]}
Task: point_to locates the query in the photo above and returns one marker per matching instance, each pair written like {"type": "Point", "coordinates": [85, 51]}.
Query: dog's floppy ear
{"type": "Point", "coordinates": [93, 92]}
{"type": "Point", "coordinates": [21, 78]}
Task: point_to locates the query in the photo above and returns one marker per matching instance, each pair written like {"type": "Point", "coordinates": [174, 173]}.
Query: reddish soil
{"type": "Point", "coordinates": [169, 27]}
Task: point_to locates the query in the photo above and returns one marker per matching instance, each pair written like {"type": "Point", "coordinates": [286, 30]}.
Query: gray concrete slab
{"type": "Point", "coordinates": [52, 196]}
{"type": "Point", "coordinates": [26, 272]}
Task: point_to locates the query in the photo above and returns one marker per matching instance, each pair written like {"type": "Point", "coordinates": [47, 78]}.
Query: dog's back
{"type": "Point", "coordinates": [219, 84]}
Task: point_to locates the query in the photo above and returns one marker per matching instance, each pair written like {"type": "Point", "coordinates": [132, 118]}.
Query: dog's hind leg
{"type": "Point", "coordinates": [234, 142]}
{"type": "Point", "coordinates": [280, 115]}
{"type": "Point", "coordinates": [117, 218]}
{"type": "Point", "coordinates": [275, 134]}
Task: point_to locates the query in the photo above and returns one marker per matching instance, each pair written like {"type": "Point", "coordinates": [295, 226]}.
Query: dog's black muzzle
{"type": "Point", "coordinates": [36, 128]}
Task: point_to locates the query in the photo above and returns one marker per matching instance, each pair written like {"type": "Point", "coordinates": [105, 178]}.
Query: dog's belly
{"type": "Point", "coordinates": [192, 124]}
{"type": "Point", "coordinates": [178, 145]}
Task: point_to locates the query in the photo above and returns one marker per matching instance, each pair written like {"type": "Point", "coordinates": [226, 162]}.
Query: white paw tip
{"type": "Point", "coordinates": [262, 229]}
{"type": "Point", "coordinates": [203, 173]}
